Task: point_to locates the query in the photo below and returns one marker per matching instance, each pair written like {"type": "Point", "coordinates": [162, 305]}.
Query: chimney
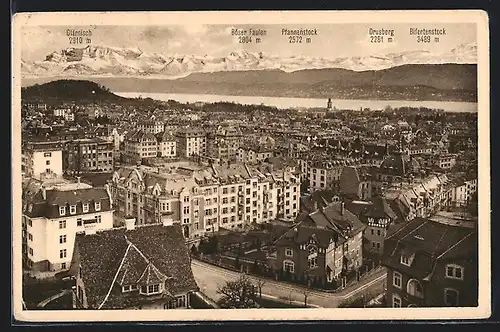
{"type": "Point", "coordinates": [167, 220]}
{"type": "Point", "coordinates": [89, 230]}
{"type": "Point", "coordinates": [108, 191]}
{"type": "Point", "coordinates": [342, 208]}
{"type": "Point", "coordinates": [44, 192]}
{"type": "Point", "coordinates": [130, 223]}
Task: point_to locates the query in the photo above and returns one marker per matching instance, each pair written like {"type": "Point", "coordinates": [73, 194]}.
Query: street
{"type": "Point", "coordinates": [209, 277]}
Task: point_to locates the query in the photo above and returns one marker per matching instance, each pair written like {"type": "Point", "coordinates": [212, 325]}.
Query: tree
{"type": "Point", "coordinates": [237, 294]}
{"type": "Point", "coordinates": [260, 283]}
{"type": "Point", "coordinates": [305, 292]}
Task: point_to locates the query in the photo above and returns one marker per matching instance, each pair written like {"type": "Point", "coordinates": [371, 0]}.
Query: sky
{"type": "Point", "coordinates": [331, 41]}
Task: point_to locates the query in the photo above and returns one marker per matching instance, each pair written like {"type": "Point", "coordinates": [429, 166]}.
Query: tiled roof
{"type": "Point", "coordinates": [152, 251]}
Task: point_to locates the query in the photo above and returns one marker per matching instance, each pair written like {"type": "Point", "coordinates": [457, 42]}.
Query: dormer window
{"type": "Point", "coordinates": [151, 289]}
{"type": "Point", "coordinates": [454, 271]}
{"type": "Point", "coordinates": [98, 206]}
{"type": "Point", "coordinates": [289, 252]}
{"type": "Point", "coordinates": [407, 258]}
{"type": "Point", "coordinates": [72, 209]}
{"type": "Point", "coordinates": [85, 207]}
{"type": "Point", "coordinates": [62, 210]}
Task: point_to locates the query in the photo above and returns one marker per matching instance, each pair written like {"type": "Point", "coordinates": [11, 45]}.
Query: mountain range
{"type": "Point", "coordinates": [105, 61]}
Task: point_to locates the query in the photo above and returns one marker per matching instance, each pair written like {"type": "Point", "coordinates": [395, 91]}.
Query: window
{"type": "Point", "coordinates": [224, 191]}
{"type": "Point", "coordinates": [62, 253]}
{"type": "Point", "coordinates": [98, 206]}
{"type": "Point", "coordinates": [63, 266]}
{"type": "Point", "coordinates": [186, 199]}
{"type": "Point", "coordinates": [85, 207]}
{"type": "Point", "coordinates": [186, 209]}
{"type": "Point", "coordinates": [72, 209]}
{"type": "Point", "coordinates": [397, 279]}
{"type": "Point", "coordinates": [62, 224]}
{"type": "Point", "coordinates": [396, 301]}
{"type": "Point", "coordinates": [153, 288]}
{"type": "Point", "coordinates": [454, 271]}
{"type": "Point", "coordinates": [181, 301]}
{"type": "Point", "coordinates": [414, 288]}
{"type": "Point", "coordinates": [79, 222]}
{"type": "Point", "coordinates": [451, 297]}
{"type": "Point", "coordinates": [47, 162]}
{"type": "Point", "coordinates": [30, 236]}
{"type": "Point", "coordinates": [289, 252]}
{"type": "Point", "coordinates": [31, 251]}
{"type": "Point", "coordinates": [126, 288]}
{"type": "Point", "coordinates": [47, 154]}
{"type": "Point", "coordinates": [289, 266]}
{"type": "Point", "coordinates": [62, 238]}
{"type": "Point", "coordinates": [313, 262]}
{"type": "Point", "coordinates": [98, 218]}
{"type": "Point", "coordinates": [62, 210]}
{"type": "Point", "coordinates": [405, 260]}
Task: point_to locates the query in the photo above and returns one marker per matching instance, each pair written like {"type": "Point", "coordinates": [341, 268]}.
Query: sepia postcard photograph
{"type": "Point", "coordinates": [271, 165]}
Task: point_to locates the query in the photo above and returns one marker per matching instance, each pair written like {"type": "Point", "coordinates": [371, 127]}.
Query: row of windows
{"type": "Point", "coordinates": [85, 208]}
{"type": "Point", "coordinates": [79, 222]}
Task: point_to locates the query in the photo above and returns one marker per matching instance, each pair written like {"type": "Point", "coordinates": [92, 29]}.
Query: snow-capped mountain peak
{"type": "Point", "coordinates": [132, 61]}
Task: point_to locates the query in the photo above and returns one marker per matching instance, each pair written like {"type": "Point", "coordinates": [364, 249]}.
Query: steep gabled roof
{"type": "Point", "coordinates": [112, 258]}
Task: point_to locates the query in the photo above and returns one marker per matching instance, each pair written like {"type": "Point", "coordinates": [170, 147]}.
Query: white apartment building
{"type": "Point", "coordinates": [138, 145]}
{"type": "Point", "coordinates": [325, 174]}
{"type": "Point", "coordinates": [43, 159]}
{"type": "Point", "coordinates": [167, 145]}
{"type": "Point", "coordinates": [191, 142]}
{"type": "Point", "coordinates": [52, 218]}
{"type": "Point", "coordinates": [151, 126]}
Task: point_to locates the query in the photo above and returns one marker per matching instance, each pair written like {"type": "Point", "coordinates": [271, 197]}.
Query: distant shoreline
{"type": "Point", "coordinates": [306, 103]}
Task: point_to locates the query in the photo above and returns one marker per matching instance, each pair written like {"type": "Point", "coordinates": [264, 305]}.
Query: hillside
{"type": "Point", "coordinates": [444, 82]}
{"type": "Point", "coordinates": [70, 90]}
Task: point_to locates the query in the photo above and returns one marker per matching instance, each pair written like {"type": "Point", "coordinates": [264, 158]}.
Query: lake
{"type": "Point", "coordinates": [287, 103]}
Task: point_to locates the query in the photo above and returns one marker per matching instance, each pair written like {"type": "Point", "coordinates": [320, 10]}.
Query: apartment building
{"type": "Point", "coordinates": [224, 142]}
{"type": "Point", "coordinates": [253, 155]}
{"type": "Point", "coordinates": [432, 264]}
{"type": "Point", "coordinates": [52, 216]}
{"type": "Point", "coordinates": [139, 145]}
{"type": "Point", "coordinates": [42, 159]}
{"type": "Point", "coordinates": [202, 200]}
{"type": "Point", "coordinates": [151, 126]}
{"type": "Point", "coordinates": [325, 174]}
{"type": "Point", "coordinates": [191, 142]}
{"type": "Point", "coordinates": [88, 155]}
{"type": "Point", "coordinates": [445, 160]}
{"type": "Point", "coordinates": [167, 145]}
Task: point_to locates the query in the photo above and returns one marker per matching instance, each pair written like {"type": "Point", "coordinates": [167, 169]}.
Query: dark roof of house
{"type": "Point", "coordinates": [325, 224]}
{"type": "Point", "coordinates": [379, 209]}
{"type": "Point", "coordinates": [37, 206]}
{"type": "Point", "coordinates": [96, 179]}
{"type": "Point", "coordinates": [398, 164]}
{"type": "Point", "coordinates": [119, 257]}
{"type": "Point", "coordinates": [321, 197]}
{"type": "Point", "coordinates": [428, 241]}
